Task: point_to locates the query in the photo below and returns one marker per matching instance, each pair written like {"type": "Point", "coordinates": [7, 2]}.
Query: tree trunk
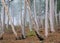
{"type": "Point", "coordinates": [10, 18]}
{"type": "Point", "coordinates": [30, 22]}
{"type": "Point", "coordinates": [32, 19]}
{"type": "Point", "coordinates": [35, 16]}
{"type": "Point", "coordinates": [21, 10]}
{"type": "Point", "coordinates": [2, 22]}
{"type": "Point", "coordinates": [46, 19]}
{"type": "Point", "coordinates": [52, 15]}
{"type": "Point", "coordinates": [56, 12]}
{"type": "Point", "coordinates": [23, 20]}
{"type": "Point", "coordinates": [59, 17]}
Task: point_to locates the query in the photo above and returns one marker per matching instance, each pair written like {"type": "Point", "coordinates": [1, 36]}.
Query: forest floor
{"type": "Point", "coordinates": [9, 37]}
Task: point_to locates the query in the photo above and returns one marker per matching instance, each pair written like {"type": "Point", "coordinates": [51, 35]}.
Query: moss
{"type": "Point", "coordinates": [31, 33]}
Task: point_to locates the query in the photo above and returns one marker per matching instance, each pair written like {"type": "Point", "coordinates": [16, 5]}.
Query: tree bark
{"type": "Point", "coordinates": [56, 12]}
{"type": "Point", "coordinates": [32, 19]}
{"type": "Point", "coordinates": [10, 18]}
{"type": "Point", "coordinates": [30, 22]}
{"type": "Point", "coordinates": [35, 16]}
{"type": "Point", "coordinates": [23, 20]}
{"type": "Point", "coordinates": [52, 15]}
{"type": "Point", "coordinates": [59, 17]}
{"type": "Point", "coordinates": [2, 22]}
{"type": "Point", "coordinates": [46, 19]}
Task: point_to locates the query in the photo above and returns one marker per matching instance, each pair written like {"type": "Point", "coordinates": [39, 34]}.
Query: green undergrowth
{"type": "Point", "coordinates": [31, 33]}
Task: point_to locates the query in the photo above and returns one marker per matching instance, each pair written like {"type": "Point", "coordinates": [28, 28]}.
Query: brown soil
{"type": "Point", "coordinates": [9, 37]}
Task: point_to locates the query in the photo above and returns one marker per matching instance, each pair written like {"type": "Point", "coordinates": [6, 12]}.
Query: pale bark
{"type": "Point", "coordinates": [52, 15]}
{"type": "Point", "coordinates": [23, 20]}
{"type": "Point", "coordinates": [35, 16]}
{"type": "Point", "coordinates": [10, 18]}
{"type": "Point", "coordinates": [32, 19]}
{"type": "Point", "coordinates": [2, 23]}
{"type": "Point", "coordinates": [7, 23]}
{"type": "Point", "coordinates": [21, 10]}
{"type": "Point", "coordinates": [40, 13]}
{"type": "Point", "coordinates": [56, 12]}
{"type": "Point", "coordinates": [59, 17]}
{"type": "Point", "coordinates": [46, 19]}
{"type": "Point", "coordinates": [30, 22]}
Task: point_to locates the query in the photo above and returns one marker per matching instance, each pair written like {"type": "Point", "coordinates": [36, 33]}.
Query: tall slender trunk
{"type": "Point", "coordinates": [21, 10]}
{"type": "Point", "coordinates": [46, 19]}
{"type": "Point", "coordinates": [40, 13]}
{"type": "Point", "coordinates": [2, 22]}
{"type": "Point", "coordinates": [10, 18]}
{"type": "Point", "coordinates": [23, 20]}
{"type": "Point", "coordinates": [32, 19]}
{"type": "Point", "coordinates": [30, 22]}
{"type": "Point", "coordinates": [13, 14]}
{"type": "Point", "coordinates": [35, 16]}
{"type": "Point", "coordinates": [56, 12]}
{"type": "Point", "coordinates": [52, 15]}
{"type": "Point", "coordinates": [59, 17]}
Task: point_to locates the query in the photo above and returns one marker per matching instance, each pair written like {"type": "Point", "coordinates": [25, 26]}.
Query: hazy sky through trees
{"type": "Point", "coordinates": [14, 9]}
